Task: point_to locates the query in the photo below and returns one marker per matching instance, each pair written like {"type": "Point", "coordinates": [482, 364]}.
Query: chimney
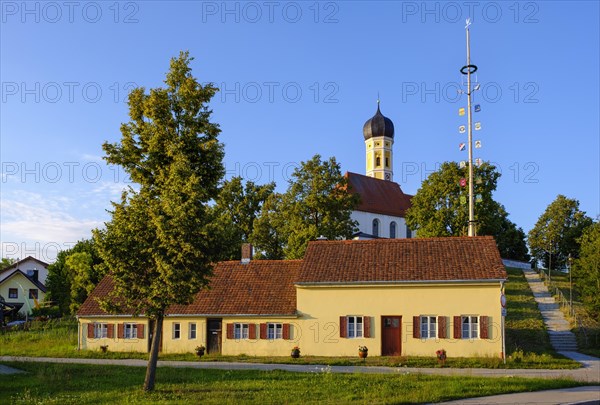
{"type": "Point", "coordinates": [246, 253]}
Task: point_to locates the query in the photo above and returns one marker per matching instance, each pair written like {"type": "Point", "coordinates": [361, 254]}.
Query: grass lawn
{"type": "Point", "coordinates": [82, 384]}
{"type": "Point", "coordinates": [527, 343]}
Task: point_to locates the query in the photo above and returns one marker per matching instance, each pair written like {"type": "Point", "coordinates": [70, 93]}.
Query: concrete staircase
{"type": "Point", "coordinates": [559, 329]}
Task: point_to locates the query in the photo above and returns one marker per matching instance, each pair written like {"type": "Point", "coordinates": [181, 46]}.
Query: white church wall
{"type": "Point", "coordinates": [365, 223]}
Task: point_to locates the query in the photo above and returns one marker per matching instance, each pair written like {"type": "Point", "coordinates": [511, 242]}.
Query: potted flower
{"type": "Point", "coordinates": [295, 352]}
{"type": "Point", "coordinates": [441, 356]}
{"type": "Point", "coordinates": [200, 351]}
{"type": "Point", "coordinates": [104, 348]}
{"type": "Point", "coordinates": [363, 352]}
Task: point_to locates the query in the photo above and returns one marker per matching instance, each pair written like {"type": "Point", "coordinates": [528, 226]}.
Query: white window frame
{"type": "Point", "coordinates": [176, 330]}
{"type": "Point", "coordinates": [241, 331]}
{"type": "Point", "coordinates": [355, 326]}
{"type": "Point", "coordinates": [192, 330]}
{"type": "Point", "coordinates": [100, 330]}
{"type": "Point", "coordinates": [16, 291]}
{"type": "Point", "coordinates": [130, 331]}
{"type": "Point", "coordinates": [429, 327]}
{"type": "Point", "coordinates": [471, 330]}
{"type": "Point", "coordinates": [274, 330]}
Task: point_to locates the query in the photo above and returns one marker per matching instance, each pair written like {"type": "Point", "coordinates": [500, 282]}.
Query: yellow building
{"type": "Point", "coordinates": [406, 297]}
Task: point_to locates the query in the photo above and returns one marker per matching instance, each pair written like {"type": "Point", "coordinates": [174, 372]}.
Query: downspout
{"type": "Point", "coordinates": [78, 334]}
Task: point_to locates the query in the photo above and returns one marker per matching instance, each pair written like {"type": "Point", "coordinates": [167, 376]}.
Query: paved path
{"type": "Point", "coordinates": [559, 329]}
{"type": "Point", "coordinates": [577, 395]}
{"type": "Point", "coordinates": [589, 373]}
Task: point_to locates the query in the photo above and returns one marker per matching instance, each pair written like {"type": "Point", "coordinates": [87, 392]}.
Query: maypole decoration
{"type": "Point", "coordinates": [467, 70]}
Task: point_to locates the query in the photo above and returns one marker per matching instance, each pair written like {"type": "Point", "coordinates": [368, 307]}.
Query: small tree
{"type": "Point", "coordinates": [440, 208]}
{"type": "Point", "coordinates": [316, 203]}
{"type": "Point", "coordinates": [6, 262]}
{"type": "Point", "coordinates": [235, 212]}
{"type": "Point", "coordinates": [556, 233]}
{"type": "Point", "coordinates": [74, 275]}
{"type": "Point", "coordinates": [158, 246]}
{"type": "Point", "coordinates": [586, 269]}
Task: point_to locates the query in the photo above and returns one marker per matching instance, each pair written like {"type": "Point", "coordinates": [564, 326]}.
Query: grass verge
{"type": "Point", "coordinates": [83, 384]}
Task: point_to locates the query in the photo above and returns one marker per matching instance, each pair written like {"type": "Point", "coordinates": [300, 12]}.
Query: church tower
{"type": "Point", "coordinates": [379, 139]}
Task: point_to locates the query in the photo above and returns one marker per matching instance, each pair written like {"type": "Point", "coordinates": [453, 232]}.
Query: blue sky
{"type": "Point", "coordinates": [297, 78]}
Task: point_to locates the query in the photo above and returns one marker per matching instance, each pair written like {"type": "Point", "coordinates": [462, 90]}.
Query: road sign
{"type": "Point", "coordinates": [503, 311]}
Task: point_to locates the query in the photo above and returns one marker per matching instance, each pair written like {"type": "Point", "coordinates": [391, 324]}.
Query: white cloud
{"type": "Point", "coordinates": [30, 218]}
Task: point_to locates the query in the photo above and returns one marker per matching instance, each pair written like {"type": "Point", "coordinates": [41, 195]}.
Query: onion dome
{"type": "Point", "coordinates": [378, 126]}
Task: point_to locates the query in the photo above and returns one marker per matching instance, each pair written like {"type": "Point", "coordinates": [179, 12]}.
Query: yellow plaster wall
{"type": "Point", "coordinates": [22, 284]}
{"type": "Point", "coordinates": [261, 347]}
{"type": "Point", "coordinates": [320, 309]}
{"type": "Point", "coordinates": [184, 344]}
{"type": "Point", "coordinates": [114, 344]}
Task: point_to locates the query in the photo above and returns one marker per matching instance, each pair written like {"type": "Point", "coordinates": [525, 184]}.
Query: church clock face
{"type": "Point", "coordinates": [387, 176]}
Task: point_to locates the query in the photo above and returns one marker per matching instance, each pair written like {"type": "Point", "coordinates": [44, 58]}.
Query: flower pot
{"type": "Point", "coordinates": [199, 353]}
{"type": "Point", "coordinates": [363, 355]}
{"type": "Point", "coordinates": [295, 354]}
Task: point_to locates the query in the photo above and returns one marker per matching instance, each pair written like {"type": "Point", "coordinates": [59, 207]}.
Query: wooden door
{"type": "Point", "coordinates": [213, 335]}
{"type": "Point", "coordinates": [390, 335]}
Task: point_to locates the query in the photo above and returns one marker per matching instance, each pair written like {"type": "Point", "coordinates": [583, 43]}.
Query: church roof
{"type": "Point", "coordinates": [378, 125]}
{"type": "Point", "coordinates": [378, 196]}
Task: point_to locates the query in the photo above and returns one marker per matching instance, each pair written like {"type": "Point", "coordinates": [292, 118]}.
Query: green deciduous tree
{"type": "Point", "coordinates": [316, 203]}
{"type": "Point", "coordinates": [269, 233]}
{"type": "Point", "coordinates": [235, 211]}
{"type": "Point", "coordinates": [555, 235]}
{"type": "Point", "coordinates": [159, 246]}
{"type": "Point", "coordinates": [440, 208]}
{"type": "Point", "coordinates": [81, 268]}
{"type": "Point", "coordinates": [73, 276]}
{"type": "Point", "coordinates": [6, 262]}
{"type": "Point", "coordinates": [586, 269]}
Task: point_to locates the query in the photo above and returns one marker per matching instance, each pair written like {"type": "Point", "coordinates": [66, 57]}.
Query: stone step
{"type": "Point", "coordinates": [558, 328]}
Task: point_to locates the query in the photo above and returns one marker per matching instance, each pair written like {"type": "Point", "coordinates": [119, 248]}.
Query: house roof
{"type": "Point", "coordinates": [378, 196]}
{"type": "Point", "coordinates": [261, 287]}
{"type": "Point", "coordinates": [402, 260]}
{"type": "Point", "coordinates": [19, 262]}
{"type": "Point", "coordinates": [268, 287]}
{"type": "Point", "coordinates": [36, 283]}
{"type": "Point", "coordinates": [102, 290]}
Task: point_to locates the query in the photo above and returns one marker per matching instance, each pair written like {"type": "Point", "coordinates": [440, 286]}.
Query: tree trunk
{"type": "Point", "coordinates": [152, 361]}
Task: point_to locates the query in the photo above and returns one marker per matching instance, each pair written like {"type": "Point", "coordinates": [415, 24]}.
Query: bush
{"type": "Point", "coordinates": [47, 312]}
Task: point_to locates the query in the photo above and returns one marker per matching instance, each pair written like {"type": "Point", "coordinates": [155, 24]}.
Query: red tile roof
{"type": "Point", "coordinates": [378, 196]}
{"type": "Point", "coordinates": [102, 290]}
{"type": "Point", "coordinates": [261, 287]}
{"type": "Point", "coordinates": [396, 260]}
{"type": "Point", "coordinates": [267, 287]}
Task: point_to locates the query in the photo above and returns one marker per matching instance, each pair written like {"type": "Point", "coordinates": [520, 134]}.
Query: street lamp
{"type": "Point", "coordinates": [570, 262]}
{"type": "Point", "coordinates": [550, 263]}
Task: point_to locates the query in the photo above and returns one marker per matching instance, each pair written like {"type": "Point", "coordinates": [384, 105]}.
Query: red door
{"type": "Point", "coordinates": [390, 335]}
